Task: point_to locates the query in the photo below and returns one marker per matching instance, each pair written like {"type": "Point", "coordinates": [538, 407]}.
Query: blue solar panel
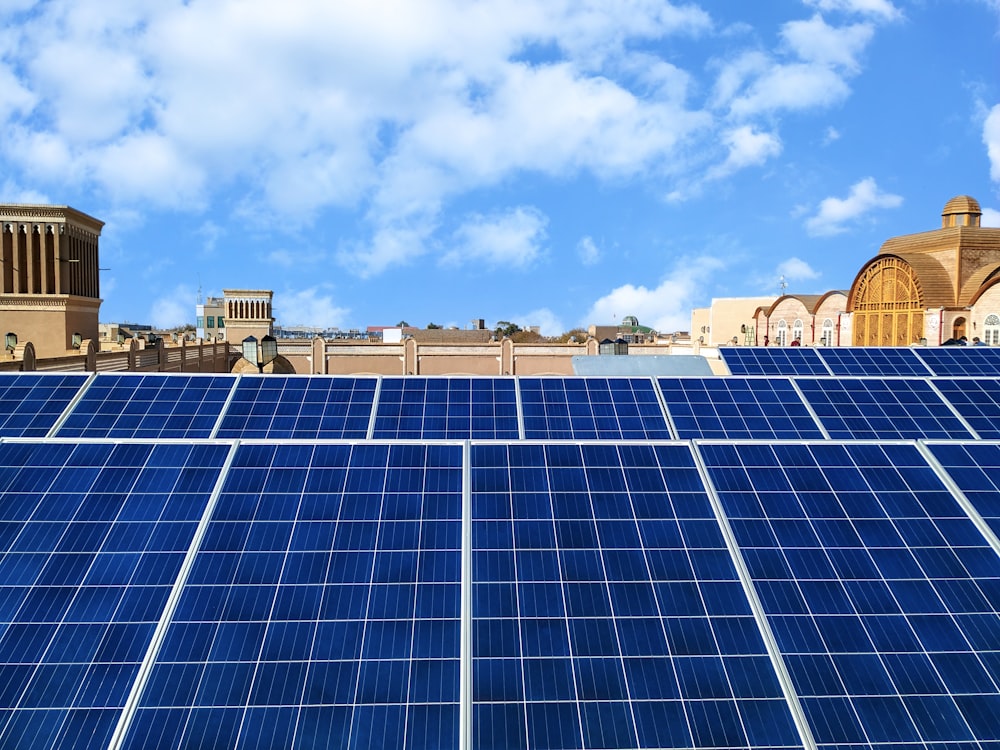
{"type": "Point", "coordinates": [977, 400]}
{"type": "Point", "coordinates": [280, 407]}
{"type": "Point", "coordinates": [446, 408]}
{"type": "Point", "coordinates": [955, 361]}
{"type": "Point", "coordinates": [323, 607]}
{"type": "Point", "coordinates": [866, 408]}
{"type": "Point", "coordinates": [31, 403]}
{"type": "Point", "coordinates": [886, 361]}
{"type": "Point", "coordinates": [606, 608]}
{"type": "Point", "coordinates": [881, 593]}
{"type": "Point", "coordinates": [591, 408]}
{"type": "Point", "coordinates": [772, 360]}
{"type": "Point", "coordinates": [737, 408]}
{"type": "Point", "coordinates": [92, 537]}
{"type": "Point", "coordinates": [148, 406]}
{"type": "Point", "coordinates": [975, 467]}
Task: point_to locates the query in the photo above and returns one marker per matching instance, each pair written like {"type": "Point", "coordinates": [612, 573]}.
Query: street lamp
{"type": "Point", "coordinates": [260, 352]}
{"type": "Point", "coordinates": [10, 342]}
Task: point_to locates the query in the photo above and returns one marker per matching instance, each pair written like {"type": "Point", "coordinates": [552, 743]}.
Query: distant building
{"type": "Point", "coordinates": [210, 319]}
{"type": "Point", "coordinates": [629, 330]}
{"type": "Point", "coordinates": [49, 277]}
{"type": "Point", "coordinates": [728, 320]}
{"type": "Point", "coordinates": [809, 319]}
{"type": "Point", "coordinates": [247, 312]}
{"type": "Point", "coordinates": [931, 286]}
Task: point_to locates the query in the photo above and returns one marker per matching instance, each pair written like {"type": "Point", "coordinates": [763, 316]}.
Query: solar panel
{"type": "Point", "coordinates": [92, 537]}
{"type": "Point", "coordinates": [300, 407]}
{"type": "Point", "coordinates": [446, 408]}
{"type": "Point", "coordinates": [866, 408]}
{"type": "Point", "coordinates": [737, 408]}
{"type": "Point", "coordinates": [323, 607]}
{"type": "Point", "coordinates": [606, 608]}
{"type": "Point", "coordinates": [865, 360]}
{"type": "Point", "coordinates": [148, 406]}
{"type": "Point", "coordinates": [591, 408]}
{"type": "Point", "coordinates": [977, 400]}
{"type": "Point", "coordinates": [975, 468]}
{"type": "Point", "coordinates": [881, 593]}
{"type": "Point", "coordinates": [961, 360]}
{"type": "Point", "coordinates": [772, 360]}
{"type": "Point", "coordinates": [31, 403]}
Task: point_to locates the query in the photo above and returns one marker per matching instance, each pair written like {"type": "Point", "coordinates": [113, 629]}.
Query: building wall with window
{"type": "Point", "coordinates": [210, 319]}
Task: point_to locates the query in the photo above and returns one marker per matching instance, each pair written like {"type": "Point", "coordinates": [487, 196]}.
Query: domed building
{"type": "Point", "coordinates": [931, 286]}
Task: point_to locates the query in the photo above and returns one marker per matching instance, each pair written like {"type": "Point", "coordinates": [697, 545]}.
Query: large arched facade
{"type": "Point", "coordinates": [887, 304]}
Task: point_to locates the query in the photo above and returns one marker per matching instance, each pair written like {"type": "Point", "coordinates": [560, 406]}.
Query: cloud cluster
{"type": "Point", "coordinates": [991, 137]}
{"type": "Point", "coordinates": [394, 113]}
{"type": "Point", "coordinates": [835, 214]}
{"type": "Point", "coordinates": [665, 307]}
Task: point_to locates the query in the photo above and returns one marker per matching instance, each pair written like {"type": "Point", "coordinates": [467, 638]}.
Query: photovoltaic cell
{"type": "Point", "coordinates": [772, 360]}
{"type": "Point", "coordinates": [606, 608]}
{"type": "Point", "coordinates": [955, 361]}
{"type": "Point", "coordinates": [30, 403]}
{"type": "Point", "coordinates": [92, 537]}
{"type": "Point", "coordinates": [283, 407]}
{"type": "Point", "coordinates": [322, 609]}
{"type": "Point", "coordinates": [867, 408]}
{"type": "Point", "coordinates": [881, 593]}
{"type": "Point", "coordinates": [591, 408]}
{"type": "Point", "coordinates": [148, 406]}
{"type": "Point", "coordinates": [886, 361]}
{"type": "Point", "coordinates": [975, 467]}
{"type": "Point", "coordinates": [737, 408]}
{"type": "Point", "coordinates": [977, 400]}
{"type": "Point", "coordinates": [446, 408]}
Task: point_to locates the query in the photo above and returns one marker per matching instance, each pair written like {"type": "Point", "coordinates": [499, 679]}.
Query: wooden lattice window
{"type": "Point", "coordinates": [888, 305]}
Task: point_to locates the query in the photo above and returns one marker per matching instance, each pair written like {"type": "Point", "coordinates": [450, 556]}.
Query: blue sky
{"type": "Point", "coordinates": [551, 162]}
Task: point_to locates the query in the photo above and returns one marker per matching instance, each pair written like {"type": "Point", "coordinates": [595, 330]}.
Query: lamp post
{"type": "Point", "coordinates": [260, 352]}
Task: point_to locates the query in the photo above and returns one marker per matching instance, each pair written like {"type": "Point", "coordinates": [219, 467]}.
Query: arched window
{"type": "Point", "coordinates": [797, 330]}
{"type": "Point", "coordinates": [781, 339]}
{"type": "Point", "coordinates": [827, 338]}
{"type": "Point", "coordinates": [887, 303]}
{"type": "Point", "coordinates": [991, 330]}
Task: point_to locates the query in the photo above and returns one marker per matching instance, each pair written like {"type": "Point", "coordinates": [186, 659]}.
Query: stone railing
{"type": "Point", "coordinates": [134, 356]}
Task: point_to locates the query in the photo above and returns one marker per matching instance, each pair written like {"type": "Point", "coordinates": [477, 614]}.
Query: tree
{"type": "Point", "coordinates": [578, 334]}
{"type": "Point", "coordinates": [506, 328]}
{"type": "Point", "coordinates": [432, 326]}
{"type": "Point", "coordinates": [402, 324]}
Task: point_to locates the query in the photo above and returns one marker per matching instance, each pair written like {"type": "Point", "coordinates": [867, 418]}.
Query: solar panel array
{"type": "Point", "coordinates": [785, 561]}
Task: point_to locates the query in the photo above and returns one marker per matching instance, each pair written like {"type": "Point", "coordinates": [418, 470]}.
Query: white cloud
{"type": "Point", "coordinates": [510, 240]}
{"type": "Point", "coordinates": [831, 135]}
{"type": "Point", "coordinates": [834, 213]}
{"type": "Point", "coordinates": [666, 307]}
{"type": "Point", "coordinates": [794, 86]}
{"type": "Point", "coordinates": [991, 137]}
{"type": "Point", "coordinates": [990, 218]}
{"type": "Point", "coordinates": [310, 307]}
{"type": "Point", "coordinates": [175, 307]}
{"type": "Point", "coordinates": [796, 269]}
{"type": "Point", "coordinates": [14, 193]}
{"type": "Point", "coordinates": [588, 251]}
{"type": "Point", "coordinates": [882, 9]}
{"type": "Point", "coordinates": [817, 42]}
{"type": "Point", "coordinates": [210, 232]}
{"type": "Point", "coordinates": [747, 147]}
{"type": "Point", "coordinates": [547, 321]}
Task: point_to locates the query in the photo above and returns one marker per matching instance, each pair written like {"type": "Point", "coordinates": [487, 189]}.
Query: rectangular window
{"type": "Point", "coordinates": [201, 321]}
{"type": "Point", "coordinates": [211, 321]}
{"type": "Point", "coordinates": [221, 322]}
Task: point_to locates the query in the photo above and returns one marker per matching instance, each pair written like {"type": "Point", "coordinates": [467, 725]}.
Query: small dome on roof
{"type": "Point", "coordinates": [961, 211]}
{"type": "Point", "coordinates": [962, 204]}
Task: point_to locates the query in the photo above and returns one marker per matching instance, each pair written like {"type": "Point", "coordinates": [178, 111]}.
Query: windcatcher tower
{"type": "Point", "coordinates": [49, 277]}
